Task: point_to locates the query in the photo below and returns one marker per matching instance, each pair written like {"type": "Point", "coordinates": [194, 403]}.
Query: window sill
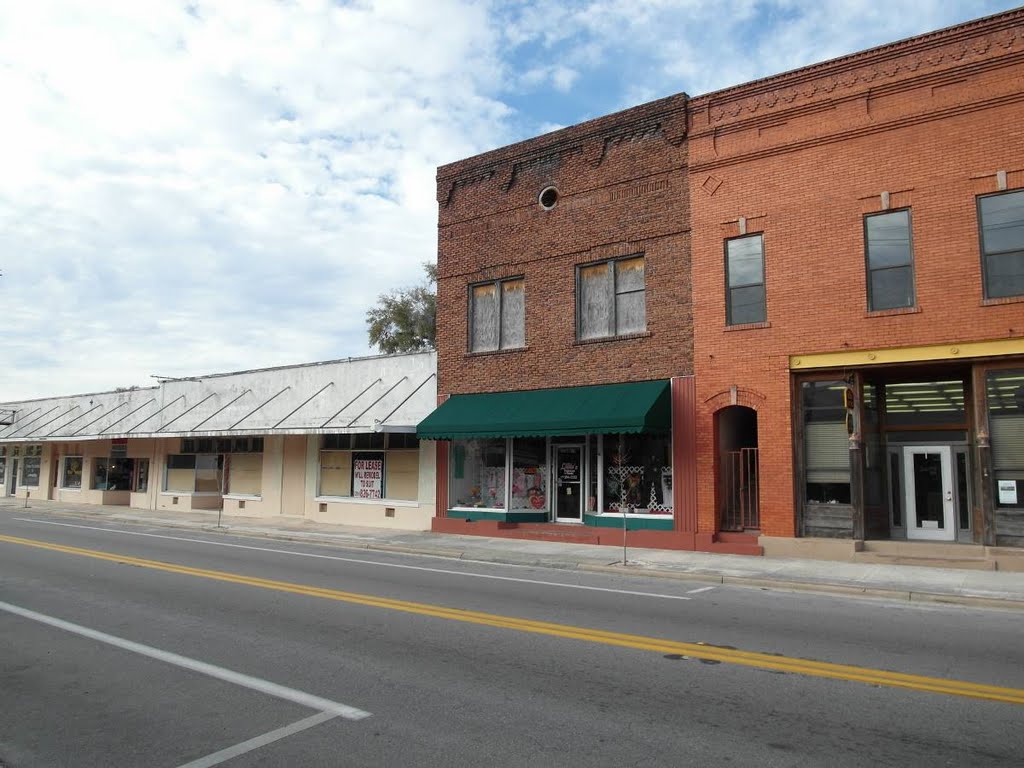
{"type": "Point", "coordinates": [243, 496]}
{"type": "Point", "coordinates": [634, 515]}
{"type": "Point", "coordinates": [357, 500]}
{"type": "Point", "coordinates": [892, 312]}
{"type": "Point", "coordinates": [69, 490]}
{"type": "Point", "coordinates": [747, 326]}
{"type": "Point", "coordinates": [1002, 300]}
{"type": "Point", "coordinates": [489, 352]}
{"type": "Point", "coordinates": [607, 339]}
{"type": "Point", "coordinates": [191, 493]}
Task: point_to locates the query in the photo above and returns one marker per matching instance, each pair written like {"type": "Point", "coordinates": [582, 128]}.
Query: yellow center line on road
{"type": "Point", "coordinates": [639, 642]}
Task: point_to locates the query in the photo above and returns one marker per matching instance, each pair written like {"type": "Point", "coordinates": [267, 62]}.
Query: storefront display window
{"type": "Point", "coordinates": [638, 474]}
{"type": "Point", "coordinates": [478, 473]}
{"type": "Point", "coordinates": [529, 474]}
{"type": "Point", "coordinates": [826, 442]}
{"type": "Point", "coordinates": [72, 477]}
{"type": "Point", "coordinates": [1006, 422]}
{"type": "Point", "coordinates": [113, 474]}
{"type": "Point", "coordinates": [30, 470]}
{"type": "Point", "coordinates": [141, 475]}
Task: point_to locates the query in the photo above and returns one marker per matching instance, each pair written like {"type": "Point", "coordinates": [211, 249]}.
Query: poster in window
{"type": "Point", "coordinates": [368, 475]}
{"type": "Point", "coordinates": [30, 472]}
{"type": "Point", "coordinates": [1008, 492]}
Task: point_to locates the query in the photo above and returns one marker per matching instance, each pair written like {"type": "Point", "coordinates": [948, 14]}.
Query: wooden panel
{"type": "Point", "coordinates": [828, 521]}
{"type": "Point", "coordinates": [335, 473]}
{"type": "Point", "coordinates": [245, 473]}
{"type": "Point", "coordinates": [1009, 527]}
{"type": "Point", "coordinates": [402, 470]}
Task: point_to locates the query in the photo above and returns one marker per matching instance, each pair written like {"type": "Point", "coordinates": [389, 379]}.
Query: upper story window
{"type": "Point", "coordinates": [497, 315]}
{"type": "Point", "coordinates": [1001, 218]}
{"type": "Point", "coordinates": [890, 260]}
{"type": "Point", "coordinates": [611, 300]}
{"type": "Point", "coordinates": [744, 280]}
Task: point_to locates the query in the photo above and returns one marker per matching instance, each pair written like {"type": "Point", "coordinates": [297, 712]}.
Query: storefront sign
{"type": "Point", "coordinates": [568, 472]}
{"type": "Point", "coordinates": [1008, 492]}
{"type": "Point", "coordinates": [368, 476]}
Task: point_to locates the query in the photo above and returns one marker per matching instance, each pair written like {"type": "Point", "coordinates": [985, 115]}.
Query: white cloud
{"type": "Point", "coordinates": [224, 185]}
{"type": "Point", "coordinates": [228, 184]}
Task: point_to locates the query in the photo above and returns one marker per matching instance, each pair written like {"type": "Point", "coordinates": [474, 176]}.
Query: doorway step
{"type": "Point", "coordinates": [973, 557]}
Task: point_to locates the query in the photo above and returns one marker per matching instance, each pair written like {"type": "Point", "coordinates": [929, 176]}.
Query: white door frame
{"type": "Point", "coordinates": [582, 449]}
{"type": "Point", "coordinates": [949, 530]}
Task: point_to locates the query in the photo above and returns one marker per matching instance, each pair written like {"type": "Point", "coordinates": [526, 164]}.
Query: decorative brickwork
{"type": "Point", "coordinates": [841, 147]}
{"type": "Point", "coordinates": [622, 186]}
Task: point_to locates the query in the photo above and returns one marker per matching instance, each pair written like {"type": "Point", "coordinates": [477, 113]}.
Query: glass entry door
{"type": "Point", "coordinates": [929, 492]}
{"type": "Point", "coordinates": [569, 483]}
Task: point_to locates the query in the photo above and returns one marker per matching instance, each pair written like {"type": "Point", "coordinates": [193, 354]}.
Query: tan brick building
{"type": "Point", "coordinates": [831, 269]}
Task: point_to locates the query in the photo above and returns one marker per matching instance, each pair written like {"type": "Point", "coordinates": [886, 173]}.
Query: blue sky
{"type": "Point", "coordinates": [193, 187]}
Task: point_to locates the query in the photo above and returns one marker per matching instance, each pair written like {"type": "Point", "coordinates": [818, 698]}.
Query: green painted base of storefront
{"type": "Point", "coordinates": [632, 523]}
{"type": "Point", "coordinates": [504, 517]}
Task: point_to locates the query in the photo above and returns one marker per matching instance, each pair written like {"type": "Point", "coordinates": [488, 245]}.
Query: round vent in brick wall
{"type": "Point", "coordinates": [548, 198]}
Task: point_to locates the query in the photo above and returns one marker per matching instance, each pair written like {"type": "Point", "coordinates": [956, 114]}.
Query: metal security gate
{"type": "Point", "coordinates": [740, 491]}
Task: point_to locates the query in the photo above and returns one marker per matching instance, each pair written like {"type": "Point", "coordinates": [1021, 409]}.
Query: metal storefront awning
{"type": "Point", "coordinates": [643, 406]}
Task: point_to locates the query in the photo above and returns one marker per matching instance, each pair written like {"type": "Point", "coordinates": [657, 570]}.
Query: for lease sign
{"type": "Point", "coordinates": [368, 477]}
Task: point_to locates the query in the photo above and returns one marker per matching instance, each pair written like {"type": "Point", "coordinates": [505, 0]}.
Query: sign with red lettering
{"type": "Point", "coordinates": [368, 475]}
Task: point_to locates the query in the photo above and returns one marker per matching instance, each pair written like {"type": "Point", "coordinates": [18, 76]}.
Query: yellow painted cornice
{"type": "Point", "coordinates": [955, 351]}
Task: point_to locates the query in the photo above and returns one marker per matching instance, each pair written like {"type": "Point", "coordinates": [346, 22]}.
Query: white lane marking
{"type": "Point", "coordinates": [362, 562]}
{"type": "Point", "coordinates": [262, 740]}
{"type": "Point", "coordinates": [701, 589]}
{"type": "Point", "coordinates": [253, 683]}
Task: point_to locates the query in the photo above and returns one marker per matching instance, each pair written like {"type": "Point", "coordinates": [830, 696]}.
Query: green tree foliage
{"type": "Point", "coordinates": [405, 320]}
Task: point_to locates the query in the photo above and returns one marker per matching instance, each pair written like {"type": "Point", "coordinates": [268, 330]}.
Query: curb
{"type": "Point", "coordinates": [635, 569]}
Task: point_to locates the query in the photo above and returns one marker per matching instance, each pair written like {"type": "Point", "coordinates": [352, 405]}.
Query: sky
{"type": "Point", "coordinates": [191, 187]}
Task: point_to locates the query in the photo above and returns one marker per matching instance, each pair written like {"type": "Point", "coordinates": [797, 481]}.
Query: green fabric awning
{"type": "Point", "coordinates": [643, 406]}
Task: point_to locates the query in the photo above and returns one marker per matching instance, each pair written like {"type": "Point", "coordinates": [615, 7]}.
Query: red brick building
{"type": "Point", "coordinates": [829, 265]}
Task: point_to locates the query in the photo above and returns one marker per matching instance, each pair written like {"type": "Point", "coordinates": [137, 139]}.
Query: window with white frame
{"type": "Point", "coordinates": [497, 315]}
{"type": "Point", "coordinates": [611, 298]}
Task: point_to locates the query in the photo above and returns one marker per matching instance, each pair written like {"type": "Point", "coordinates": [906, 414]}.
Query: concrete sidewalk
{"type": "Point", "coordinates": [900, 582]}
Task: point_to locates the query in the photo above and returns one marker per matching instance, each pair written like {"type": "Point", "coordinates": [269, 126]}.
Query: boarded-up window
{"type": "Point", "coordinates": [497, 315]}
{"type": "Point", "coordinates": [611, 298]}
{"type": "Point", "coordinates": [403, 474]}
{"type": "Point", "coordinates": [245, 473]}
{"type": "Point", "coordinates": [181, 473]}
{"type": "Point", "coordinates": [335, 473]}
{"type": "Point", "coordinates": [194, 473]}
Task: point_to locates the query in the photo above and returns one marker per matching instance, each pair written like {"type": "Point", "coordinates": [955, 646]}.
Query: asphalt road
{"type": "Point", "coordinates": [140, 646]}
